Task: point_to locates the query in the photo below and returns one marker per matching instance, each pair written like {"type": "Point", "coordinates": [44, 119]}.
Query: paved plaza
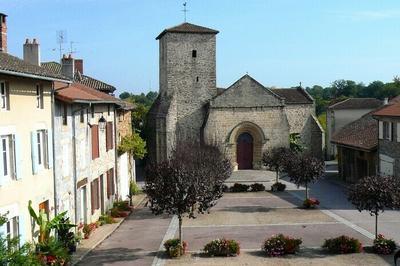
{"type": "Point", "coordinates": [249, 218]}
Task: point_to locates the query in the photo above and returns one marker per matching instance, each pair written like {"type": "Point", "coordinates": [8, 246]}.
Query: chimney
{"type": "Point", "coordinates": [3, 33]}
{"type": "Point", "coordinates": [32, 52]}
{"type": "Point", "coordinates": [68, 66]}
{"type": "Point", "coordinates": [385, 101]}
{"type": "Point", "coordinates": [79, 65]}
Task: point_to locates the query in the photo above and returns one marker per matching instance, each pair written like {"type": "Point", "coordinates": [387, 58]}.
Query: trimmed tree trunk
{"type": "Point", "coordinates": [306, 191]}
{"type": "Point", "coordinates": [376, 225]}
{"type": "Point", "coordinates": [180, 229]}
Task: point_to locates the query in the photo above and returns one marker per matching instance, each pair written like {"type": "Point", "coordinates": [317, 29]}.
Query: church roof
{"type": "Point", "coordinates": [188, 28]}
{"type": "Point", "coordinates": [246, 92]}
{"type": "Point", "coordinates": [294, 95]}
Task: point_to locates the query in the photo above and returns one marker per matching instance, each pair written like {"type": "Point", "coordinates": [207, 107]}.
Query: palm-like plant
{"type": "Point", "coordinates": [45, 226]}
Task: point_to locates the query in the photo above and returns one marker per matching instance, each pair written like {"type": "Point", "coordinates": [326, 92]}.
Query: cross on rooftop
{"type": "Point", "coordinates": [185, 10]}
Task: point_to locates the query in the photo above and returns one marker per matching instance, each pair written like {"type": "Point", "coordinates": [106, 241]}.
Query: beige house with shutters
{"type": "Point", "coordinates": [26, 137]}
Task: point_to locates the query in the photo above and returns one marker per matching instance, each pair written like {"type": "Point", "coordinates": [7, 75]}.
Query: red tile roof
{"type": "Point", "coordinates": [77, 92]}
{"type": "Point", "coordinates": [357, 103]}
{"type": "Point", "coordinates": [389, 110]}
{"type": "Point", "coordinates": [360, 134]}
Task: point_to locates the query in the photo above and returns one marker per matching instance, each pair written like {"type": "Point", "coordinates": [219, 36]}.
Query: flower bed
{"type": "Point", "coordinates": [174, 248]}
{"type": "Point", "coordinates": [239, 188]}
{"type": "Point", "coordinates": [257, 187]}
{"type": "Point", "coordinates": [383, 245]}
{"type": "Point", "coordinates": [278, 186]}
{"type": "Point", "coordinates": [222, 247]}
{"type": "Point", "coordinates": [342, 245]}
{"type": "Point", "coordinates": [310, 203]}
{"type": "Point", "coordinates": [280, 245]}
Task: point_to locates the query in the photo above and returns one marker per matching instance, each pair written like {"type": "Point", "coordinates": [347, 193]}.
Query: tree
{"type": "Point", "coordinates": [295, 142]}
{"type": "Point", "coordinates": [124, 95]}
{"type": "Point", "coordinates": [189, 182]}
{"type": "Point", "coordinates": [134, 145]}
{"type": "Point", "coordinates": [304, 169]}
{"type": "Point", "coordinates": [275, 160]}
{"type": "Point", "coordinates": [13, 253]}
{"type": "Point", "coordinates": [375, 194]}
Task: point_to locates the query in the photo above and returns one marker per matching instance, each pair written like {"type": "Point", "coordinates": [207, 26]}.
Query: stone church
{"type": "Point", "coordinates": [244, 119]}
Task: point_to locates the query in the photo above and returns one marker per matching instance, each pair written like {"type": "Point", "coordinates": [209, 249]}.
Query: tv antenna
{"type": "Point", "coordinates": [61, 39]}
{"type": "Point", "coordinates": [185, 10]}
{"type": "Point", "coordinates": [71, 48]}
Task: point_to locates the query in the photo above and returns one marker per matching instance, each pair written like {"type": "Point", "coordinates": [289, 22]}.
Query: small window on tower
{"type": "Point", "coordinates": [194, 53]}
{"type": "Point", "coordinates": [197, 79]}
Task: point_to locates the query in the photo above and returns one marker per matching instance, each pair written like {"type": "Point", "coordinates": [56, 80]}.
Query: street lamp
{"type": "Point", "coordinates": [102, 123]}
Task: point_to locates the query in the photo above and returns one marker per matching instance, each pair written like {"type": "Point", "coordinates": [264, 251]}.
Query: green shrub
{"type": "Point", "coordinates": [239, 188]}
{"type": "Point", "coordinates": [278, 186]}
{"type": "Point", "coordinates": [53, 252]}
{"type": "Point", "coordinates": [174, 248]}
{"type": "Point", "coordinates": [122, 205]}
{"type": "Point", "coordinates": [222, 247]}
{"type": "Point", "coordinates": [257, 187]}
{"type": "Point", "coordinates": [106, 219]}
{"type": "Point", "coordinates": [384, 246]}
{"type": "Point", "coordinates": [280, 245]}
{"type": "Point", "coordinates": [342, 245]}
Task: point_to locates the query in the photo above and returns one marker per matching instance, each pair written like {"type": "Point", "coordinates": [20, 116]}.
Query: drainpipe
{"type": "Point", "coordinates": [74, 160]}
{"type": "Point", "coordinates": [115, 150]}
{"type": "Point", "coordinates": [53, 148]}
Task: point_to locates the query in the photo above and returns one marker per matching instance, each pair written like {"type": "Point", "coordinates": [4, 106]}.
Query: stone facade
{"type": "Point", "coordinates": [124, 123]}
{"type": "Point", "coordinates": [87, 169]}
{"type": "Point", "coordinates": [189, 108]}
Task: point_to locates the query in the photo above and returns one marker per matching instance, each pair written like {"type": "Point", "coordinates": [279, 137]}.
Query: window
{"type": "Point", "coordinates": [110, 183]}
{"type": "Point", "coordinates": [41, 137]}
{"type": "Point", "coordinates": [8, 161]}
{"type": "Point", "coordinates": [109, 136]}
{"type": "Point", "coordinates": [386, 130]}
{"type": "Point", "coordinates": [108, 109]}
{"type": "Point", "coordinates": [95, 141]}
{"type": "Point", "coordinates": [65, 114]}
{"type": "Point", "coordinates": [197, 79]}
{"type": "Point", "coordinates": [12, 228]}
{"type": "Point", "coordinates": [82, 116]}
{"type": "Point", "coordinates": [194, 53]}
{"type": "Point", "coordinates": [94, 185]}
{"type": "Point", "coordinates": [4, 97]}
{"type": "Point", "coordinates": [39, 96]}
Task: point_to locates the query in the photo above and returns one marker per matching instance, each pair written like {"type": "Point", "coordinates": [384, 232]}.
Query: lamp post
{"type": "Point", "coordinates": [102, 123]}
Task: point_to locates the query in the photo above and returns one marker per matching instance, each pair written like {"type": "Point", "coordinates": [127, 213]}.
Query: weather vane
{"type": "Point", "coordinates": [185, 10]}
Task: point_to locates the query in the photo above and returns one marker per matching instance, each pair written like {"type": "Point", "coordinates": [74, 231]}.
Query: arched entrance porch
{"type": "Point", "coordinates": [245, 144]}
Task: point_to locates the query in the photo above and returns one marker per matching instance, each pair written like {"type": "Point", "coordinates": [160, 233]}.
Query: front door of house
{"type": "Point", "coordinates": [83, 205]}
{"type": "Point", "coordinates": [244, 151]}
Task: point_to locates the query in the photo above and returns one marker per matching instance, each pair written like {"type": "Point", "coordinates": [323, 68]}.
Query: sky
{"type": "Point", "coordinates": [279, 43]}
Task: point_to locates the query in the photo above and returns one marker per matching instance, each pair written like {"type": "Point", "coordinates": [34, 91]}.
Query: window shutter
{"type": "Point", "coordinates": [112, 181]}
{"type": "Point", "coordinates": [49, 149]}
{"type": "Point", "coordinates": [18, 159]}
{"type": "Point", "coordinates": [7, 84]}
{"type": "Point", "coordinates": [390, 130]}
{"type": "Point", "coordinates": [34, 152]}
{"type": "Point", "coordinates": [95, 141]}
{"type": "Point", "coordinates": [380, 130]}
{"type": "Point", "coordinates": [398, 132]}
{"type": "Point", "coordinates": [22, 229]}
{"type": "Point", "coordinates": [108, 184]}
{"type": "Point", "coordinates": [109, 136]}
{"type": "Point", "coordinates": [92, 194]}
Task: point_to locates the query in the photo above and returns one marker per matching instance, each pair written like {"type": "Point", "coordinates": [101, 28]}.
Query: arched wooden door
{"type": "Point", "coordinates": [244, 151]}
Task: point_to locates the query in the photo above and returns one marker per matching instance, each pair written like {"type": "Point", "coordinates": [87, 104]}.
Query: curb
{"type": "Point", "coordinates": [105, 237]}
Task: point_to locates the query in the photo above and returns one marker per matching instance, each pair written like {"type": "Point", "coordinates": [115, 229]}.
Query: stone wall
{"type": "Point", "coordinates": [268, 127]}
{"type": "Point", "coordinates": [391, 148]}
{"type": "Point", "coordinates": [87, 169]}
{"type": "Point", "coordinates": [124, 124]}
{"type": "Point", "coordinates": [191, 81]}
